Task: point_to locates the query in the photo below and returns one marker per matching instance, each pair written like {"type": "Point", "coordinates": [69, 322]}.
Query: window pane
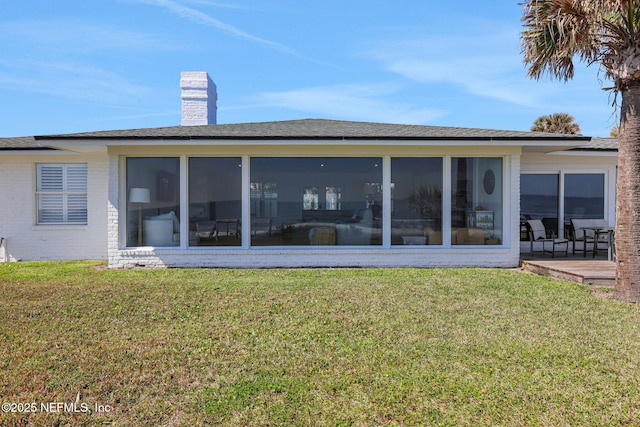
{"type": "Point", "coordinates": [51, 178]}
{"type": "Point", "coordinates": [539, 200]}
{"type": "Point", "coordinates": [583, 195]}
{"type": "Point", "coordinates": [62, 193]}
{"type": "Point", "coordinates": [50, 208]}
{"type": "Point", "coordinates": [416, 216]}
{"type": "Point", "coordinates": [476, 201]}
{"type": "Point", "coordinates": [287, 208]}
{"type": "Point", "coordinates": [77, 208]}
{"type": "Point", "coordinates": [76, 178]}
{"type": "Point", "coordinates": [215, 201]}
{"type": "Point", "coordinates": [153, 201]}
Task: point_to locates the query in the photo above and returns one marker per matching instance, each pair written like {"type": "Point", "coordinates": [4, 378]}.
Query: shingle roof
{"type": "Point", "coordinates": [21, 143]}
{"type": "Point", "coordinates": [314, 129]}
{"type": "Point", "coordinates": [607, 144]}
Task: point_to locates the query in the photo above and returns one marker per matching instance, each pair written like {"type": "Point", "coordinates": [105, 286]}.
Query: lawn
{"type": "Point", "coordinates": [82, 345]}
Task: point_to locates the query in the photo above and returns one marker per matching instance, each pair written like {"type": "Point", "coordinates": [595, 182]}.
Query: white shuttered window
{"type": "Point", "coordinates": [61, 193]}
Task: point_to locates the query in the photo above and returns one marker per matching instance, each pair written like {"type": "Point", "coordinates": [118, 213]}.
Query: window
{"type": "Point", "coordinates": [215, 201]}
{"type": "Point", "coordinates": [153, 201]}
{"type": "Point", "coordinates": [476, 201]}
{"type": "Point", "coordinates": [61, 191]}
{"type": "Point", "coordinates": [539, 199]}
{"type": "Point", "coordinates": [291, 209]}
{"type": "Point", "coordinates": [583, 195]}
{"type": "Point", "coordinates": [416, 215]}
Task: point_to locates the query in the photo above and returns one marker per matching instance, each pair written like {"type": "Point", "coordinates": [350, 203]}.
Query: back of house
{"type": "Point", "coordinates": [298, 193]}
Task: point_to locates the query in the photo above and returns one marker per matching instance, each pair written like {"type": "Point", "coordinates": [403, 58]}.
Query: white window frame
{"type": "Point", "coordinates": [70, 192]}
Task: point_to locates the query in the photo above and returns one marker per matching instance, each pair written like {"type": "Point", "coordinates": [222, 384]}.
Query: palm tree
{"type": "Point", "coordinates": [614, 132]}
{"type": "Point", "coordinates": [606, 32]}
{"type": "Point", "coordinates": [556, 123]}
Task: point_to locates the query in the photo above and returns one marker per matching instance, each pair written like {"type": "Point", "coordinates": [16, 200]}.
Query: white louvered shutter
{"type": "Point", "coordinates": [62, 193]}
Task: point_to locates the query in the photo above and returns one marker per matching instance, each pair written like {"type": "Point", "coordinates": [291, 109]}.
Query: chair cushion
{"type": "Point", "coordinates": [537, 229]}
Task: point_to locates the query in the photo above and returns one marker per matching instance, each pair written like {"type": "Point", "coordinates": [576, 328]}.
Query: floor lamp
{"type": "Point", "coordinates": [139, 196]}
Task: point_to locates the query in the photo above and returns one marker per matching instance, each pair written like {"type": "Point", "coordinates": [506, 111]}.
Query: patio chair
{"type": "Point", "coordinates": [261, 227]}
{"type": "Point", "coordinates": [207, 230]}
{"type": "Point", "coordinates": [585, 230]}
{"type": "Point", "coordinates": [538, 233]}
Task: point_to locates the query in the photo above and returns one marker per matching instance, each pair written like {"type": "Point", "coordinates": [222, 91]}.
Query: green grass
{"type": "Point", "coordinates": [334, 347]}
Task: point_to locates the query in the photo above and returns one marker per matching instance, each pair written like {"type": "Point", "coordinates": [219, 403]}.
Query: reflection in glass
{"type": "Point", "coordinates": [583, 195]}
{"type": "Point", "coordinates": [153, 201]}
{"type": "Point", "coordinates": [215, 201]}
{"type": "Point", "coordinates": [333, 198]}
{"type": "Point", "coordinates": [350, 213]}
{"type": "Point", "coordinates": [539, 200]}
{"type": "Point", "coordinates": [476, 214]}
{"type": "Point", "coordinates": [264, 199]}
{"type": "Point", "coordinates": [416, 216]}
{"type": "Point", "coordinates": [310, 199]}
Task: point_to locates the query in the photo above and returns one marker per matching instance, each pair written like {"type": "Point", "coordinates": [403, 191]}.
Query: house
{"type": "Point", "coordinates": [297, 193]}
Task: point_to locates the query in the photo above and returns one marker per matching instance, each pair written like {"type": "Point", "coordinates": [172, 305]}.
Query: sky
{"type": "Point", "coordinates": [86, 65]}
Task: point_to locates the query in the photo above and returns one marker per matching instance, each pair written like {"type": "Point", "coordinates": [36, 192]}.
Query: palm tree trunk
{"type": "Point", "coordinates": [628, 198]}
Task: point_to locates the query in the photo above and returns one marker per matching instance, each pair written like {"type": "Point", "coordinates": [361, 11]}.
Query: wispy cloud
{"type": "Point", "coordinates": [350, 102]}
{"type": "Point", "coordinates": [216, 4]}
{"type": "Point", "coordinates": [488, 65]}
{"type": "Point", "coordinates": [72, 36]}
{"type": "Point", "coordinates": [71, 80]}
{"type": "Point", "coordinates": [195, 15]}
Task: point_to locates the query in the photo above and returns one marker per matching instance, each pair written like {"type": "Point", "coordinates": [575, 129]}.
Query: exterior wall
{"type": "Point", "coordinates": [103, 238]}
{"type": "Point", "coordinates": [505, 255]}
{"type": "Point", "coordinates": [27, 241]}
{"type": "Point", "coordinates": [579, 162]}
{"type": "Point", "coordinates": [291, 258]}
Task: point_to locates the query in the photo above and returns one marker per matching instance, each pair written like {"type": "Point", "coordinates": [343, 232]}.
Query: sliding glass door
{"type": "Point", "coordinates": [556, 198]}
{"type": "Point", "coordinates": [540, 199]}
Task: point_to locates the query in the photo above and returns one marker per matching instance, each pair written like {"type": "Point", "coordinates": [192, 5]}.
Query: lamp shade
{"type": "Point", "coordinates": [139, 195]}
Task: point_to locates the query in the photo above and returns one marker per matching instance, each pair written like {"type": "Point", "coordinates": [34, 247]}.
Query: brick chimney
{"type": "Point", "coordinates": [199, 97]}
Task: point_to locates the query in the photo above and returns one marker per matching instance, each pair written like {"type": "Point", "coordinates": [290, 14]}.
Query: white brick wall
{"type": "Point", "coordinates": [199, 99]}
{"type": "Point", "coordinates": [101, 238]}
{"type": "Point", "coordinates": [306, 257]}
{"type": "Point", "coordinates": [27, 241]}
{"type": "Point", "coordinates": [113, 232]}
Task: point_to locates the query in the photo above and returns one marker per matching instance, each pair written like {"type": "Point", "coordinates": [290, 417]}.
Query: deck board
{"type": "Point", "coordinates": [592, 272]}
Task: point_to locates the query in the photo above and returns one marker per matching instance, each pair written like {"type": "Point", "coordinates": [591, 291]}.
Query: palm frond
{"type": "Point", "coordinates": [595, 31]}
{"type": "Point", "coordinates": [555, 32]}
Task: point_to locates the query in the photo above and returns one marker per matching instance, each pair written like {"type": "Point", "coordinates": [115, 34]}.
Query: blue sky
{"type": "Point", "coordinates": [79, 65]}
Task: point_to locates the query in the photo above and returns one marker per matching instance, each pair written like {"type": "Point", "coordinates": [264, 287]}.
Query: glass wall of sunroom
{"type": "Point", "coordinates": [301, 201]}
{"type": "Point", "coordinates": [153, 201]}
{"type": "Point", "coordinates": [389, 201]}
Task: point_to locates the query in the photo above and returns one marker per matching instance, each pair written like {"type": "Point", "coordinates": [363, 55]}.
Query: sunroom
{"type": "Point", "coordinates": [308, 193]}
{"type": "Point", "coordinates": [310, 201]}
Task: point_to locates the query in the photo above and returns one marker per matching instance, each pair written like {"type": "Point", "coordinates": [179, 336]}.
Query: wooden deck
{"type": "Point", "coordinates": [575, 268]}
{"type": "Point", "coordinates": [586, 272]}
